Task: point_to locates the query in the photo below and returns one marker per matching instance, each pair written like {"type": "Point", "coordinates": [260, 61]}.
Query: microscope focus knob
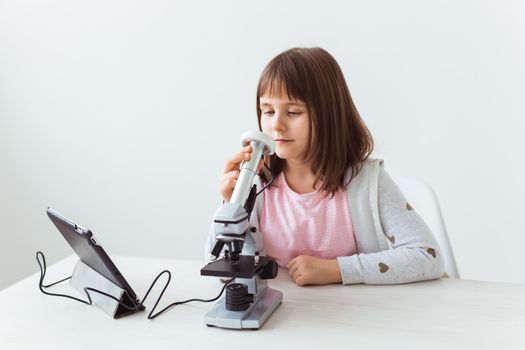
{"type": "Point", "coordinates": [269, 271]}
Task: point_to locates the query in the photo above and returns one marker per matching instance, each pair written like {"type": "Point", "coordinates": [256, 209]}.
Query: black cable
{"type": "Point", "coordinates": [41, 286]}
{"type": "Point", "coordinates": [269, 183]}
{"type": "Point", "coordinates": [150, 316]}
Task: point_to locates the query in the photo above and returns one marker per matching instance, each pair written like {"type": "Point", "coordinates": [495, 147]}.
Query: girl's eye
{"type": "Point", "coordinates": [294, 113]}
{"type": "Point", "coordinates": [268, 113]}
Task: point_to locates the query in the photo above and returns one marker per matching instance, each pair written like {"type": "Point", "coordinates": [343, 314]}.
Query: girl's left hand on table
{"type": "Point", "coordinates": [305, 269]}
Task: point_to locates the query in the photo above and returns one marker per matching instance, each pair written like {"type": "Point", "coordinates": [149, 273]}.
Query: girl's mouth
{"type": "Point", "coordinates": [281, 141]}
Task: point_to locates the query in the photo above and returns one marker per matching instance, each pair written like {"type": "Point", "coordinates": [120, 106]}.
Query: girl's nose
{"type": "Point", "coordinates": [277, 123]}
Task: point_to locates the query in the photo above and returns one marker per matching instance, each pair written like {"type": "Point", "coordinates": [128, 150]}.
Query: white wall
{"type": "Point", "coordinates": [120, 114]}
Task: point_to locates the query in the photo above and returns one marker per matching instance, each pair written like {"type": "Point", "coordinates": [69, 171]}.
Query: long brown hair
{"type": "Point", "coordinates": [339, 139]}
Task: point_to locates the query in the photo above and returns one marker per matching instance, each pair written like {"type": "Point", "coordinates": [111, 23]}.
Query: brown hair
{"type": "Point", "coordinates": [339, 139]}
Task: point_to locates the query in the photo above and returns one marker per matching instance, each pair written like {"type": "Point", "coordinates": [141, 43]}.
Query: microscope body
{"type": "Point", "coordinates": [249, 301]}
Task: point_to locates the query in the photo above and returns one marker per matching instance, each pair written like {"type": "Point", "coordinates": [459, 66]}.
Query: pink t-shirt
{"type": "Point", "coordinates": [295, 224]}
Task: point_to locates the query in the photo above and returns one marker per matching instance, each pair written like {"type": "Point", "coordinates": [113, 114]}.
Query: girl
{"type": "Point", "coordinates": [332, 214]}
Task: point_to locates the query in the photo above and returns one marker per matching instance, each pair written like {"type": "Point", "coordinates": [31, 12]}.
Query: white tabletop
{"type": "Point", "coordinates": [439, 314]}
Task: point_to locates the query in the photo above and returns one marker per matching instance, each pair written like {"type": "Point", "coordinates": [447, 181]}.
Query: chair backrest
{"type": "Point", "coordinates": [423, 199]}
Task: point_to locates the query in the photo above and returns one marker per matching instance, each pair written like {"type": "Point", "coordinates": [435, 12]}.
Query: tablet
{"type": "Point", "coordinates": [90, 251]}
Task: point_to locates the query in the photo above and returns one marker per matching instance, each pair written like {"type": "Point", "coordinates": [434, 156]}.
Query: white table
{"type": "Point", "coordinates": [439, 314]}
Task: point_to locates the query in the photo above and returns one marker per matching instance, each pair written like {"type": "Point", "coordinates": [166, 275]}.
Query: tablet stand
{"type": "Point", "coordinates": [85, 277]}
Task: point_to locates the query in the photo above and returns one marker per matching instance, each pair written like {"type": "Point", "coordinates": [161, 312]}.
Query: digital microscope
{"type": "Point", "coordinates": [248, 301]}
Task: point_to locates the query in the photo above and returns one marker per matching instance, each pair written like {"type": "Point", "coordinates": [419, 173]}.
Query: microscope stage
{"type": "Point", "coordinates": [243, 268]}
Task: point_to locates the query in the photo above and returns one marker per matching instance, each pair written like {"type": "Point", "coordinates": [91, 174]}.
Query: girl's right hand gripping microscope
{"type": "Point", "coordinates": [249, 301]}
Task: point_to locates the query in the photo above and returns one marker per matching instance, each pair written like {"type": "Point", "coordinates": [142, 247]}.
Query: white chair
{"type": "Point", "coordinates": [423, 199]}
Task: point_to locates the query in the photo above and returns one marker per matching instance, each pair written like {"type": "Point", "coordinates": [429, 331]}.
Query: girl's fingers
{"type": "Point", "coordinates": [291, 263]}
{"type": "Point", "coordinates": [234, 174]}
{"type": "Point", "coordinates": [292, 266]}
{"type": "Point", "coordinates": [231, 183]}
{"type": "Point", "coordinates": [234, 162]}
{"type": "Point", "coordinates": [294, 272]}
{"type": "Point", "coordinates": [231, 172]}
{"type": "Point", "coordinates": [228, 184]}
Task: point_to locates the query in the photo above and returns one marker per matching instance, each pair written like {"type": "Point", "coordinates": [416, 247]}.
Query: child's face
{"type": "Point", "coordinates": [287, 121]}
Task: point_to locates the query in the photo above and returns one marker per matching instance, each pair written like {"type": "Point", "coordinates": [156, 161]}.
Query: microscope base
{"type": "Point", "coordinates": [251, 318]}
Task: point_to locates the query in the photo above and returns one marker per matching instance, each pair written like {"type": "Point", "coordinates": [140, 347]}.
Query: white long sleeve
{"type": "Point", "coordinates": [413, 253]}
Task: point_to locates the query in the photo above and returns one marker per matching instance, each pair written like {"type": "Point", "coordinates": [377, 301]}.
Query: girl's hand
{"type": "Point", "coordinates": [306, 269]}
{"type": "Point", "coordinates": [231, 172]}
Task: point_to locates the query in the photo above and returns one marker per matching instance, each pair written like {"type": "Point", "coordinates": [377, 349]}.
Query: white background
{"type": "Point", "coordinates": [121, 114]}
